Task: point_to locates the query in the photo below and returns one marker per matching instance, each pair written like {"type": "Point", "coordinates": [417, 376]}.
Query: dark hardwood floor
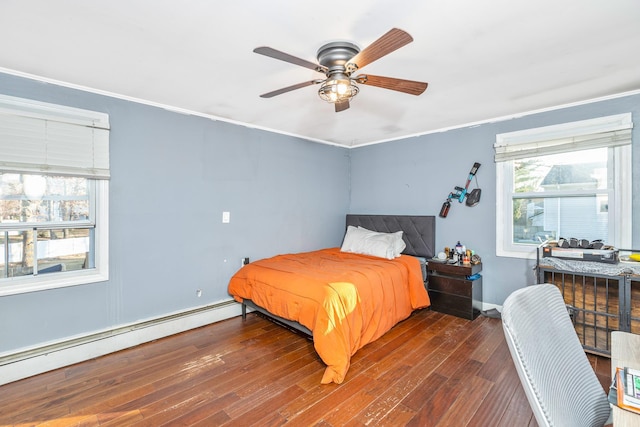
{"type": "Point", "coordinates": [430, 370]}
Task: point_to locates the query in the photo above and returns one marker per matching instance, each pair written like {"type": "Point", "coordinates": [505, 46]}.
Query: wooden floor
{"type": "Point", "coordinates": [430, 370]}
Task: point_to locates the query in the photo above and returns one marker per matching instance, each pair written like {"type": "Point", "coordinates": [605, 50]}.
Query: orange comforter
{"type": "Point", "coordinates": [347, 300]}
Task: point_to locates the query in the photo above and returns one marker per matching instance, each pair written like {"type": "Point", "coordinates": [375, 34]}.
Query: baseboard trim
{"type": "Point", "coordinates": [488, 306]}
{"type": "Point", "coordinates": [34, 361]}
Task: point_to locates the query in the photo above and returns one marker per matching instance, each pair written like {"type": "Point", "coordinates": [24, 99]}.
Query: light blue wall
{"type": "Point", "coordinates": [415, 175]}
{"type": "Point", "coordinates": [172, 177]}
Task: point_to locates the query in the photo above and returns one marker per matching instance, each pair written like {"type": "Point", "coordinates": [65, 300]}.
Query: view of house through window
{"type": "Point", "coordinates": [570, 180]}
{"type": "Point", "coordinates": [46, 224]}
{"type": "Point", "coordinates": [561, 195]}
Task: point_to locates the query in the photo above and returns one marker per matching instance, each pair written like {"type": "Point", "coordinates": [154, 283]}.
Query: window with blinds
{"type": "Point", "coordinates": [564, 181]}
{"type": "Point", "coordinates": [54, 173]}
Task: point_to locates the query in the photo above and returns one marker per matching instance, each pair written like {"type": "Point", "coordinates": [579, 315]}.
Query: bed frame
{"type": "Point", "coordinates": [419, 234]}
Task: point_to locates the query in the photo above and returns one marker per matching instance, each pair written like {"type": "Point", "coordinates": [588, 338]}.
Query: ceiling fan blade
{"type": "Point", "coordinates": [273, 53]}
{"type": "Point", "coordinates": [341, 106]}
{"type": "Point", "coordinates": [392, 40]}
{"type": "Point", "coordinates": [289, 89]}
{"type": "Point", "coordinates": [407, 86]}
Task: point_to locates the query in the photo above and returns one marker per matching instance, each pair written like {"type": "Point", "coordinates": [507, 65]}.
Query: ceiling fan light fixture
{"type": "Point", "coordinates": [339, 60]}
{"type": "Point", "coordinates": [338, 88]}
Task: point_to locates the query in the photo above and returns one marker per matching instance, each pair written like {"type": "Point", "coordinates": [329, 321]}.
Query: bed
{"type": "Point", "coordinates": [343, 300]}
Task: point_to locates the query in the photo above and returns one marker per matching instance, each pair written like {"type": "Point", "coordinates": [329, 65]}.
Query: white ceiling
{"type": "Point", "coordinates": [483, 60]}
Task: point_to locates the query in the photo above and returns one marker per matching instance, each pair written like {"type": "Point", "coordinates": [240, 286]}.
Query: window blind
{"type": "Point", "coordinates": [41, 138]}
{"type": "Point", "coordinates": [610, 131]}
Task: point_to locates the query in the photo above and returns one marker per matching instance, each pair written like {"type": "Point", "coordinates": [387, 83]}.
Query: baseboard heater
{"type": "Point", "coordinates": [73, 350]}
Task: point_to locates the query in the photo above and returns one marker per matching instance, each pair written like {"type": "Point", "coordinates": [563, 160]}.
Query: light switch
{"type": "Point", "coordinates": [226, 217]}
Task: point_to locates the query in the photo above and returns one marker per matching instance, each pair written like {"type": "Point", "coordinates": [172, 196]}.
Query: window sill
{"type": "Point", "coordinates": [523, 253]}
{"type": "Point", "coordinates": [26, 284]}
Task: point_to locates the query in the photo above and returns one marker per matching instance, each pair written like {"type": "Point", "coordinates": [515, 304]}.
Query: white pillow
{"type": "Point", "coordinates": [398, 244]}
{"type": "Point", "coordinates": [362, 241]}
{"type": "Point", "coordinates": [351, 238]}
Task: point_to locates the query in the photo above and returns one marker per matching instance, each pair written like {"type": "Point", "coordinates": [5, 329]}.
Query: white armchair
{"type": "Point", "coordinates": [560, 384]}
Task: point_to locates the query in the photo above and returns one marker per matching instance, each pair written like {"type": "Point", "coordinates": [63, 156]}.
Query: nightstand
{"type": "Point", "coordinates": [452, 292]}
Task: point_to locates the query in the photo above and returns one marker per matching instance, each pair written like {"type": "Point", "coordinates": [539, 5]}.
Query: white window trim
{"type": "Point", "coordinates": [620, 209]}
{"type": "Point", "coordinates": [46, 111]}
{"type": "Point", "coordinates": [623, 169]}
{"type": "Point", "coordinates": [25, 284]}
{"type": "Point", "coordinates": [67, 159]}
{"type": "Point", "coordinates": [565, 130]}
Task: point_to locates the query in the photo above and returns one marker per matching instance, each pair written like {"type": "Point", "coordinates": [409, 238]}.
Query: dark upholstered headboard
{"type": "Point", "coordinates": [419, 231]}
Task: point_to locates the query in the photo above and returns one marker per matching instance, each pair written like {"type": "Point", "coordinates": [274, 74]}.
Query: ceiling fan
{"type": "Point", "coordinates": [338, 61]}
